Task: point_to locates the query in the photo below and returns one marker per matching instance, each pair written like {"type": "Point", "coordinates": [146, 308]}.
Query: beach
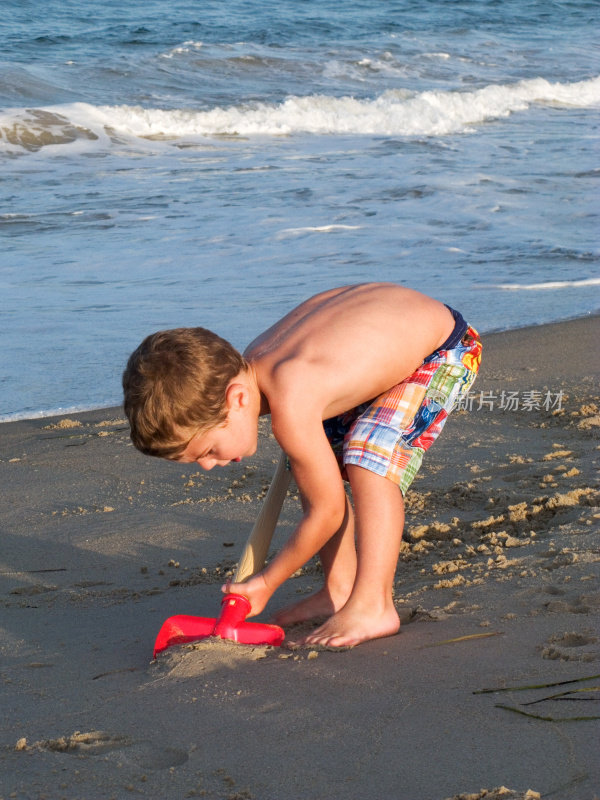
{"type": "Point", "coordinates": [497, 588]}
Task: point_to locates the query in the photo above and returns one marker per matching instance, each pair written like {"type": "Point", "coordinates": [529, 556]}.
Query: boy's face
{"type": "Point", "coordinates": [236, 439]}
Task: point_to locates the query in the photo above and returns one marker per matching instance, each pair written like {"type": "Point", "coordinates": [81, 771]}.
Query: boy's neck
{"type": "Point", "coordinates": [254, 388]}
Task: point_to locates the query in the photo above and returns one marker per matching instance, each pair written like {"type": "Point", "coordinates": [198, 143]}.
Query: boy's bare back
{"type": "Point", "coordinates": [344, 347]}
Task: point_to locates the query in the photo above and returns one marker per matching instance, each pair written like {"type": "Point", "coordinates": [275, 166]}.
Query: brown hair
{"type": "Point", "coordinates": [174, 387]}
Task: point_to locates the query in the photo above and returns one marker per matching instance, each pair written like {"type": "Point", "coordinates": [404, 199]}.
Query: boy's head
{"type": "Point", "coordinates": [175, 385]}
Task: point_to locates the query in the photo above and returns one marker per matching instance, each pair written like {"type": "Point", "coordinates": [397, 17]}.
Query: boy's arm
{"type": "Point", "coordinates": [320, 484]}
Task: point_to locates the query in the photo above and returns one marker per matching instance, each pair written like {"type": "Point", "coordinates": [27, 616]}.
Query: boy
{"type": "Point", "coordinates": [370, 370]}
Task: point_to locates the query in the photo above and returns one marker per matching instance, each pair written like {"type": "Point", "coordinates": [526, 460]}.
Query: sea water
{"type": "Point", "coordinates": [169, 162]}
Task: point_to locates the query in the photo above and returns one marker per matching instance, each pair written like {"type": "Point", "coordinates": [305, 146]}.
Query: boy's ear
{"type": "Point", "coordinates": [236, 396]}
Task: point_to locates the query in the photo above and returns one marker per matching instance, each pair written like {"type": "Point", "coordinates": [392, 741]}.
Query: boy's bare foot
{"type": "Point", "coordinates": [347, 628]}
{"type": "Point", "coordinates": [319, 604]}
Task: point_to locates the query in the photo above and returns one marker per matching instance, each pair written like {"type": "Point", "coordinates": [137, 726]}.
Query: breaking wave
{"type": "Point", "coordinates": [393, 113]}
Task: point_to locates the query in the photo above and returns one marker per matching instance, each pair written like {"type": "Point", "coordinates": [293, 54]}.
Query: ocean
{"type": "Point", "coordinates": [166, 163]}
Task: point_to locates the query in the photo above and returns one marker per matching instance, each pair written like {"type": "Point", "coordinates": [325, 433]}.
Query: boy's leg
{"type": "Point", "coordinates": [338, 558]}
{"type": "Point", "coordinates": [369, 612]}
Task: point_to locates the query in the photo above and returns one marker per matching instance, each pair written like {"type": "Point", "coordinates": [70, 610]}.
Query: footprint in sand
{"type": "Point", "coordinates": [571, 646]}
{"type": "Point", "coordinates": [558, 600]}
{"type": "Point", "coordinates": [572, 602]}
{"type": "Point", "coordinates": [93, 743]}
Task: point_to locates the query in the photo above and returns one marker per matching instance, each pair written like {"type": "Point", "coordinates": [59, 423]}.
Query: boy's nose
{"type": "Point", "coordinates": [208, 463]}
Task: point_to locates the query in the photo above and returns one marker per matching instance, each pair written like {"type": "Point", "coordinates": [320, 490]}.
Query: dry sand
{"type": "Point", "coordinates": [497, 586]}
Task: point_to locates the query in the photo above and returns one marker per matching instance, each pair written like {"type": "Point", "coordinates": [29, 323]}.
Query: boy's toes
{"type": "Point", "coordinates": [332, 640]}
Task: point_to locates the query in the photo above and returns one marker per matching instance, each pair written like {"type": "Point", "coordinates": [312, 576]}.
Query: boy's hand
{"type": "Point", "coordinates": [255, 589]}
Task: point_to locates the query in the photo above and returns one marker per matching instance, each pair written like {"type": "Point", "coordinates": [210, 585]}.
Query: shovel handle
{"type": "Point", "coordinates": [256, 548]}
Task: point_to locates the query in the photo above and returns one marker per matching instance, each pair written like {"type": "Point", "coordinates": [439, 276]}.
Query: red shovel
{"type": "Point", "coordinates": [231, 622]}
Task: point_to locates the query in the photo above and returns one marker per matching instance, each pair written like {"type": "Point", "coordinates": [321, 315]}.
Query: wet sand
{"type": "Point", "coordinates": [497, 587]}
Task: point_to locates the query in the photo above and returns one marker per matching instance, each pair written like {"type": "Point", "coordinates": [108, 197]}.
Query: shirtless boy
{"type": "Point", "coordinates": [370, 371]}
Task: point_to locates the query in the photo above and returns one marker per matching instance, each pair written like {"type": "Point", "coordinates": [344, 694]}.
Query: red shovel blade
{"type": "Point", "coordinates": [182, 629]}
{"type": "Point", "coordinates": [230, 624]}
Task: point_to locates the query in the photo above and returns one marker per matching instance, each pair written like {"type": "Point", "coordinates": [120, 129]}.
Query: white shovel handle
{"type": "Point", "coordinates": [257, 546]}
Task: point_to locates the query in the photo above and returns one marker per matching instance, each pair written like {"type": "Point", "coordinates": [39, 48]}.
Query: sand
{"type": "Point", "coordinates": [497, 587]}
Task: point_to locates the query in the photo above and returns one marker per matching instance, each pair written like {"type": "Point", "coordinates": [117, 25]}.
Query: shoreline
{"type": "Point", "coordinates": [18, 416]}
{"type": "Point", "coordinates": [496, 586]}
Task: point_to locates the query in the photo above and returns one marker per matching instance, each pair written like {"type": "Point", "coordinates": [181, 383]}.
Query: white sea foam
{"type": "Point", "coordinates": [290, 232]}
{"type": "Point", "coordinates": [548, 284]}
{"type": "Point", "coordinates": [55, 412]}
{"type": "Point", "coordinates": [186, 47]}
{"type": "Point", "coordinates": [391, 113]}
{"type": "Point", "coordinates": [394, 113]}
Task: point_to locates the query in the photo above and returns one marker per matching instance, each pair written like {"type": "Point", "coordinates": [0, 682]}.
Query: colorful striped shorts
{"type": "Point", "coordinates": [390, 434]}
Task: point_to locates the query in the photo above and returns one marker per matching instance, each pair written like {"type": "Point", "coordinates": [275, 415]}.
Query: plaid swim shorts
{"type": "Point", "coordinates": [390, 434]}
